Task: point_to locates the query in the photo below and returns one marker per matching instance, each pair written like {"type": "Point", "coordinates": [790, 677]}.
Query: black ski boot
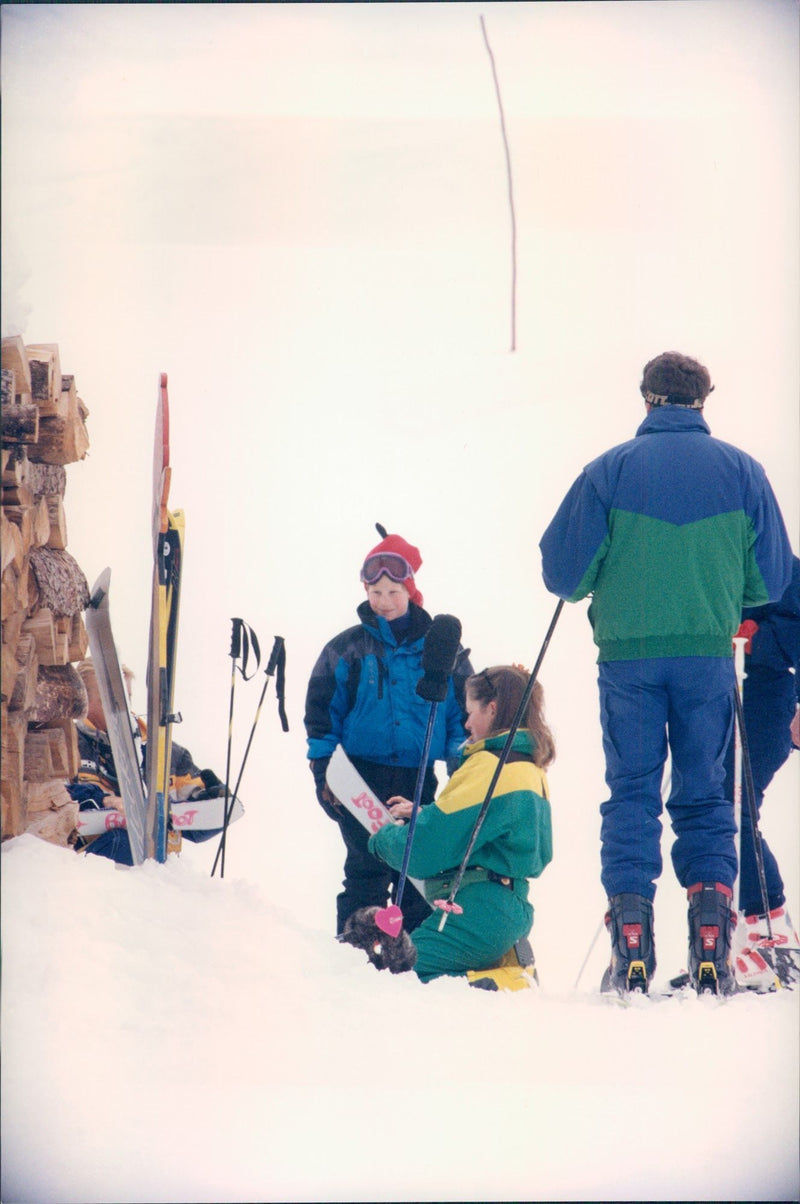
{"type": "Point", "coordinates": [629, 921]}
{"type": "Point", "coordinates": [711, 925]}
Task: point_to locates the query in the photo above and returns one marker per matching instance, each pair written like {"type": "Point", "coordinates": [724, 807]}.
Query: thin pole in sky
{"type": "Point", "coordinates": [510, 191]}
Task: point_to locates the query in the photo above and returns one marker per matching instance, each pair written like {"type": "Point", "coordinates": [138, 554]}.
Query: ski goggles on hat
{"type": "Point", "coordinates": [395, 567]}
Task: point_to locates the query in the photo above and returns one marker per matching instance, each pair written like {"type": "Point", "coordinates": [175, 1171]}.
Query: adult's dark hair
{"type": "Point", "coordinates": [675, 379]}
{"type": "Point", "coordinates": [504, 685]}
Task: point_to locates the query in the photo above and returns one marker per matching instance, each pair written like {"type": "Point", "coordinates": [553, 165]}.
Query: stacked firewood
{"type": "Point", "coordinates": [43, 593]}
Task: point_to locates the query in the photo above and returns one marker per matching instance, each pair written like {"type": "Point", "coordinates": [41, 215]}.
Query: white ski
{"type": "Point", "coordinates": [198, 815]}
{"type": "Point", "coordinates": [116, 708]}
{"type": "Point", "coordinates": [350, 789]}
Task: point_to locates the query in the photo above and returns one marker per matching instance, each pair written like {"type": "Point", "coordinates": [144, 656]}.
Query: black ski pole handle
{"type": "Point", "coordinates": [242, 639]}
{"type": "Point", "coordinates": [275, 655]}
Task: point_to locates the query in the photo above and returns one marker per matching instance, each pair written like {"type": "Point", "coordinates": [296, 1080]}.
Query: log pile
{"type": "Point", "coordinates": [43, 593]}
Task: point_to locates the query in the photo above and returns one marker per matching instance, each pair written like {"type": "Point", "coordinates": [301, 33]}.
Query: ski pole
{"type": "Point", "coordinates": [239, 640]}
{"type": "Point", "coordinates": [390, 919]}
{"type": "Point", "coordinates": [439, 654]}
{"type": "Point", "coordinates": [739, 644]}
{"type": "Point", "coordinates": [447, 905]}
{"type": "Point", "coordinates": [589, 952]}
{"type": "Point", "coordinates": [750, 794]}
{"type": "Point", "coordinates": [276, 660]}
{"type": "Point", "coordinates": [417, 801]}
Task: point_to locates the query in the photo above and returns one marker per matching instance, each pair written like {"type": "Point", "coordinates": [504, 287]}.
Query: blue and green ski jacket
{"type": "Point", "coordinates": [672, 533]}
{"type": "Point", "coordinates": [362, 694]}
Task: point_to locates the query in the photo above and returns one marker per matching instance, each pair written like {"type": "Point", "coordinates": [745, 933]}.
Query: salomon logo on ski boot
{"type": "Point", "coordinates": [711, 924]}
{"type": "Point", "coordinates": [629, 921]}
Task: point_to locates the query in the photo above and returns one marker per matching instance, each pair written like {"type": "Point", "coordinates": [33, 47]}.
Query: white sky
{"type": "Point", "coordinates": [300, 213]}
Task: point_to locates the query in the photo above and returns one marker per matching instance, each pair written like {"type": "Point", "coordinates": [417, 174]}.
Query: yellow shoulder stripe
{"type": "Point", "coordinates": [468, 786]}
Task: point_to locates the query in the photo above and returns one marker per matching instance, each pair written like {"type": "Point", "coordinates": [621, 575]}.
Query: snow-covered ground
{"type": "Point", "coordinates": [300, 213]}
{"type": "Point", "coordinates": [169, 1037]}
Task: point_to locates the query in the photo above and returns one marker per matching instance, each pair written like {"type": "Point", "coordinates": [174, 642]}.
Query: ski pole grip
{"type": "Point", "coordinates": [439, 653]}
{"type": "Point", "coordinates": [274, 656]}
{"type": "Point", "coordinates": [236, 639]}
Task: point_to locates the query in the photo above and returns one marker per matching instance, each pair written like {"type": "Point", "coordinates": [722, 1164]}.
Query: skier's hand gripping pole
{"type": "Point", "coordinates": [439, 654]}
{"type": "Point", "coordinates": [449, 905]}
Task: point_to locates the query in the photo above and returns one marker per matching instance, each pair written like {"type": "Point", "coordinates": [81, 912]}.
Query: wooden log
{"type": "Point", "coordinates": [67, 402]}
{"type": "Point", "coordinates": [69, 732]}
{"type": "Point", "coordinates": [56, 826]}
{"type": "Point", "coordinates": [15, 358]}
{"type": "Point", "coordinates": [12, 735]}
{"type": "Point", "coordinates": [12, 547]}
{"type": "Point", "coordinates": [23, 692]}
{"type": "Point", "coordinates": [41, 626]}
{"type": "Point", "coordinates": [78, 648]}
{"type": "Point", "coordinates": [59, 694]}
{"type": "Point", "coordinates": [22, 517]}
{"type": "Point", "coordinates": [16, 467]}
{"type": "Point", "coordinates": [46, 796]}
{"type": "Point", "coordinates": [44, 480]}
{"type": "Point", "coordinates": [63, 588]}
{"type": "Point", "coordinates": [61, 440]}
{"type": "Point", "coordinates": [14, 589]}
{"type": "Point", "coordinates": [8, 672]}
{"type": "Point", "coordinates": [18, 495]}
{"type": "Point", "coordinates": [21, 424]}
{"type": "Point", "coordinates": [46, 754]}
{"type": "Point", "coordinates": [12, 629]}
{"type": "Point", "coordinates": [57, 521]}
{"type": "Point", "coordinates": [44, 362]}
{"type": "Point", "coordinates": [9, 586]}
{"type": "Point", "coordinates": [7, 393]}
{"type": "Point", "coordinates": [40, 524]}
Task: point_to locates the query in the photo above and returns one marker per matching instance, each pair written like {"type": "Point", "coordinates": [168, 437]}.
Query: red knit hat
{"type": "Point", "coordinates": [397, 546]}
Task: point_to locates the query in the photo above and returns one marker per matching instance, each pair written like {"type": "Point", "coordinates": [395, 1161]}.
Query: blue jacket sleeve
{"type": "Point", "coordinates": [456, 710]}
{"type": "Point", "coordinates": [575, 543]}
{"type": "Point", "coordinates": [776, 643]}
{"type": "Point", "coordinates": [771, 550]}
{"type": "Point", "coordinates": [326, 705]}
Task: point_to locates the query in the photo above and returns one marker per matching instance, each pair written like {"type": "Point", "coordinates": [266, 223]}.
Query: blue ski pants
{"type": "Point", "coordinates": [769, 701]}
{"type": "Point", "coordinates": [647, 706]}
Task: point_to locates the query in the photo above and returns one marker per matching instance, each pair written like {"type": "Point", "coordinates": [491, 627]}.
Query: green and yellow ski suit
{"type": "Point", "coordinates": [514, 844]}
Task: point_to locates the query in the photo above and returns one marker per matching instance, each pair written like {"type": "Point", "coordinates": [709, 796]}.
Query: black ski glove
{"type": "Point", "coordinates": [331, 807]}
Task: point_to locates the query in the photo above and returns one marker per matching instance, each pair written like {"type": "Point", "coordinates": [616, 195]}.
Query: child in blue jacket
{"type": "Point", "coordinates": [362, 695]}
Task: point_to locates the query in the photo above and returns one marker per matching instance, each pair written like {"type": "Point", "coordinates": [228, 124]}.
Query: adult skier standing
{"type": "Point", "coordinates": [672, 533]}
{"type": "Point", "coordinates": [770, 698]}
{"type": "Point", "coordinates": [362, 695]}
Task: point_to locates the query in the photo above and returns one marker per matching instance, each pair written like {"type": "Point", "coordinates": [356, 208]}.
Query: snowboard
{"type": "Point", "coordinates": [116, 708]}
{"type": "Point", "coordinates": [168, 535]}
{"type": "Point", "coordinates": [350, 789]}
{"type": "Point", "coordinates": [193, 815]}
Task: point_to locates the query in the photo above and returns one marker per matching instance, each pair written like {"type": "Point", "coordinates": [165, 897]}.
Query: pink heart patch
{"type": "Point", "coordinates": [389, 919]}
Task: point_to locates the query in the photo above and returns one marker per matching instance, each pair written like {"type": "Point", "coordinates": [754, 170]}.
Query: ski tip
{"type": "Point", "coordinates": [100, 589]}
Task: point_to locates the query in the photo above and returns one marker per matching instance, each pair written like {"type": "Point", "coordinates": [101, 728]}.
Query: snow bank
{"type": "Point", "coordinates": [172, 1037]}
